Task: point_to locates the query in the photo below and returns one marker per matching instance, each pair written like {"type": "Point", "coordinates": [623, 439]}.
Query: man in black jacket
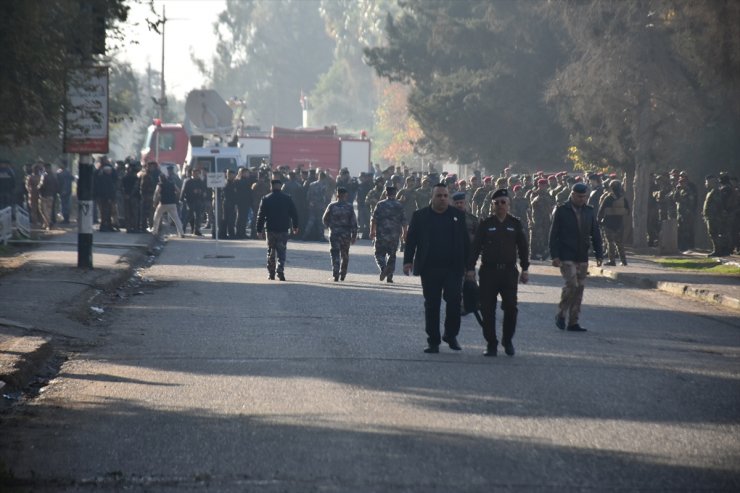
{"type": "Point", "coordinates": [276, 214]}
{"type": "Point", "coordinates": [573, 228]}
{"type": "Point", "coordinates": [438, 248]}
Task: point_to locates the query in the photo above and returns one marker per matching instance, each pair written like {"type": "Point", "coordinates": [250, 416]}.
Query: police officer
{"type": "Point", "coordinates": [498, 241]}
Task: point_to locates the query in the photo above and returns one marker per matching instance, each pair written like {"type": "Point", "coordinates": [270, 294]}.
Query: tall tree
{"type": "Point", "coordinates": [267, 53]}
{"type": "Point", "coordinates": [40, 41]}
{"type": "Point", "coordinates": [477, 72]}
{"type": "Point", "coordinates": [646, 77]}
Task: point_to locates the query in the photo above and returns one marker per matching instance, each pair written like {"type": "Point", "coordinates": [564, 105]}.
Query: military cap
{"type": "Point", "coordinates": [487, 179]}
{"type": "Point", "coordinates": [579, 188]}
{"type": "Point", "coordinates": [710, 177]}
{"type": "Point", "coordinates": [517, 187]}
{"type": "Point", "coordinates": [390, 189]}
{"type": "Point", "coordinates": [458, 196]}
{"type": "Point", "coordinates": [501, 192]}
{"type": "Point", "coordinates": [542, 181]}
{"type": "Point", "coordinates": [341, 190]}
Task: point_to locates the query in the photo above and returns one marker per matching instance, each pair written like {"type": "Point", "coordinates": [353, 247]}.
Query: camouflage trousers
{"type": "Point", "coordinates": [574, 274]}
{"type": "Point", "coordinates": [385, 255]}
{"type": "Point", "coordinates": [277, 243]}
{"type": "Point", "coordinates": [539, 240]}
{"type": "Point", "coordinates": [614, 240]}
{"type": "Point", "coordinates": [339, 251]}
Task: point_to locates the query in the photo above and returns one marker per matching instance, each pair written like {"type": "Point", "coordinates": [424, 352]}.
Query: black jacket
{"type": "Point", "coordinates": [567, 241]}
{"type": "Point", "coordinates": [418, 239]}
{"type": "Point", "coordinates": [276, 212]}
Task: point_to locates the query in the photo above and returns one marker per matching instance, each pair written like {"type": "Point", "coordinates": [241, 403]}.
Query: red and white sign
{"type": "Point", "coordinates": [86, 111]}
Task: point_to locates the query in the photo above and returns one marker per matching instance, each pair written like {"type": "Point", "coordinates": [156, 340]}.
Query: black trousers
{"type": "Point", "coordinates": [437, 284]}
{"type": "Point", "coordinates": [494, 282]}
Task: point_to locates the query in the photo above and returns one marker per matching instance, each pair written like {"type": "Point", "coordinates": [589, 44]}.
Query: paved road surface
{"type": "Point", "coordinates": [218, 379]}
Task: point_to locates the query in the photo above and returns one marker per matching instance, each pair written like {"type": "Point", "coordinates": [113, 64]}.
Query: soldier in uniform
{"type": "Point", "coordinates": [407, 197]}
{"type": "Point", "coordinates": [542, 206]}
{"type": "Point", "coordinates": [520, 208]}
{"type": "Point", "coordinates": [499, 239]}
{"type": "Point", "coordinates": [194, 193]}
{"type": "Point", "coordinates": [424, 193]}
{"type": "Point", "coordinates": [612, 211]}
{"type": "Point", "coordinates": [387, 226]}
{"type": "Point", "coordinates": [686, 199]}
{"type": "Point", "coordinates": [480, 195]}
{"type": "Point", "coordinates": [317, 202]}
{"type": "Point", "coordinates": [373, 196]}
{"type": "Point", "coordinates": [340, 218]}
{"type": "Point", "coordinates": [471, 222]}
{"type": "Point", "coordinates": [260, 188]}
{"type": "Point", "coordinates": [276, 214]}
{"type": "Point", "coordinates": [363, 212]}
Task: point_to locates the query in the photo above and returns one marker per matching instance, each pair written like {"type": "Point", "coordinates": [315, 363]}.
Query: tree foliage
{"type": "Point", "coordinates": [267, 53]}
{"type": "Point", "coordinates": [477, 72]}
{"type": "Point", "coordinates": [396, 132]}
{"type": "Point", "coordinates": [40, 41]}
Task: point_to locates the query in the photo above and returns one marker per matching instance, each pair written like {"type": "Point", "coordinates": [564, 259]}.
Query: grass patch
{"type": "Point", "coordinates": [704, 265]}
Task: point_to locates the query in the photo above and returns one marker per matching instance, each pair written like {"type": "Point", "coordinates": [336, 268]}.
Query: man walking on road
{"type": "Point", "coordinates": [276, 214]}
{"type": "Point", "coordinates": [387, 227]}
{"type": "Point", "coordinates": [438, 249]}
{"type": "Point", "coordinates": [573, 227]}
{"type": "Point", "coordinates": [498, 240]}
{"type": "Point", "coordinates": [340, 218]}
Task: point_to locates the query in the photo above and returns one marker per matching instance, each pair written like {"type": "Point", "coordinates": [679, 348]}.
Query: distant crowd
{"type": "Point", "coordinates": [128, 193]}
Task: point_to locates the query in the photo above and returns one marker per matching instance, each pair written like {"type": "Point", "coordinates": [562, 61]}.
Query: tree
{"type": "Point", "coordinates": [40, 41]}
{"type": "Point", "coordinates": [396, 132]}
{"type": "Point", "coordinates": [267, 53]}
{"type": "Point", "coordinates": [646, 78]}
{"type": "Point", "coordinates": [477, 72]}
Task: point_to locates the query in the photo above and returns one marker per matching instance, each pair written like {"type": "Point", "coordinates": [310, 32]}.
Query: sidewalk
{"type": "Point", "coordinates": [47, 302]}
{"type": "Point", "coordinates": [643, 271]}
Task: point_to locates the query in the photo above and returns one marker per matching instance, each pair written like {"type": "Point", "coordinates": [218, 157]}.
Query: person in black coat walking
{"type": "Point", "coordinates": [573, 229]}
{"type": "Point", "coordinates": [437, 248]}
{"type": "Point", "coordinates": [276, 215]}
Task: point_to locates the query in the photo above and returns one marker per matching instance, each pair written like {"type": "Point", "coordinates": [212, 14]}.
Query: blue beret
{"type": "Point", "coordinates": [459, 196]}
{"type": "Point", "coordinates": [580, 188]}
{"type": "Point", "coordinates": [501, 192]}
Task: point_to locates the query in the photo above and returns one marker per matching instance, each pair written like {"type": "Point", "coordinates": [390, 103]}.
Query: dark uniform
{"type": "Point", "coordinates": [276, 213]}
{"type": "Point", "coordinates": [498, 243]}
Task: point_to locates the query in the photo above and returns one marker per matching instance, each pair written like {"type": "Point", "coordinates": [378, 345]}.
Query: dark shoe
{"type": "Point", "coordinates": [336, 278]}
{"type": "Point", "coordinates": [560, 322]}
{"type": "Point", "coordinates": [281, 276]}
{"type": "Point", "coordinates": [198, 233]}
{"type": "Point", "coordinates": [431, 349]}
{"type": "Point", "coordinates": [611, 263]}
{"type": "Point", "coordinates": [624, 261]}
{"type": "Point", "coordinates": [383, 274]}
{"type": "Point", "coordinates": [452, 342]}
{"type": "Point", "coordinates": [575, 328]}
{"type": "Point", "coordinates": [390, 280]}
{"type": "Point", "coordinates": [491, 350]}
{"type": "Point", "coordinates": [342, 276]}
{"type": "Point", "coordinates": [509, 349]}
{"type": "Point", "coordinates": [271, 277]}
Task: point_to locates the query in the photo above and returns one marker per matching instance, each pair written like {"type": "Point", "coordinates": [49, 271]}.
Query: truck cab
{"type": "Point", "coordinates": [165, 142]}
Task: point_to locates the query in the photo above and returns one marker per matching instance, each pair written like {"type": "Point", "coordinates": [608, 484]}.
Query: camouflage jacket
{"type": "Point", "coordinates": [340, 218]}
{"type": "Point", "coordinates": [389, 218]}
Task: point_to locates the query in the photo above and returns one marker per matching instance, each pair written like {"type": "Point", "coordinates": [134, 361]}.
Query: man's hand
{"type": "Point", "coordinates": [470, 275]}
{"type": "Point", "coordinates": [296, 231]}
{"type": "Point", "coordinates": [556, 262]}
{"type": "Point", "coordinates": [598, 262]}
{"type": "Point", "coordinates": [407, 268]}
{"type": "Point", "coordinates": [524, 277]}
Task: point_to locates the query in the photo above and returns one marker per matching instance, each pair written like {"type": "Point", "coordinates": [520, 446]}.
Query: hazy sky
{"type": "Point", "coordinates": [189, 30]}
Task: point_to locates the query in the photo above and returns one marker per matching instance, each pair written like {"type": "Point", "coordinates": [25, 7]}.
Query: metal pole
{"type": "Point", "coordinates": [85, 213]}
{"type": "Point", "coordinates": [162, 91]}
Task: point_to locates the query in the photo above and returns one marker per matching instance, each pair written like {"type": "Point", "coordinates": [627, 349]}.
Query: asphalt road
{"type": "Point", "coordinates": [218, 379]}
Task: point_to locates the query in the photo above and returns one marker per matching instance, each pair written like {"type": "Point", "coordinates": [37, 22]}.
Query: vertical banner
{"type": "Point", "coordinates": [86, 111]}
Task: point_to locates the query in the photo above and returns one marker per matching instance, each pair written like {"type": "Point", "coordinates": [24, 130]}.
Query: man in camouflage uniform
{"type": "Point", "coordinates": [276, 214]}
{"type": "Point", "coordinates": [363, 212]}
{"type": "Point", "coordinates": [613, 212]}
{"type": "Point", "coordinates": [540, 218]}
{"type": "Point", "coordinates": [520, 208]}
{"type": "Point", "coordinates": [480, 195]}
{"type": "Point", "coordinates": [407, 196]}
{"type": "Point", "coordinates": [373, 196]}
{"type": "Point", "coordinates": [340, 218]}
{"type": "Point", "coordinates": [471, 222]}
{"type": "Point", "coordinates": [387, 227]}
{"type": "Point", "coordinates": [318, 192]}
{"type": "Point", "coordinates": [716, 215]}
{"type": "Point", "coordinates": [686, 198]}
{"type": "Point", "coordinates": [424, 193]}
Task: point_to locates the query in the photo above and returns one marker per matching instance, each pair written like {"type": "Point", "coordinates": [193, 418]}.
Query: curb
{"type": "Point", "coordinates": [674, 288]}
{"type": "Point", "coordinates": [33, 353]}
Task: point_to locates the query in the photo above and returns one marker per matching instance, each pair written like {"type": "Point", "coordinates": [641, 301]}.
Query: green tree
{"type": "Point", "coordinates": [646, 82]}
{"type": "Point", "coordinates": [267, 53]}
{"type": "Point", "coordinates": [40, 41]}
{"type": "Point", "coordinates": [477, 72]}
